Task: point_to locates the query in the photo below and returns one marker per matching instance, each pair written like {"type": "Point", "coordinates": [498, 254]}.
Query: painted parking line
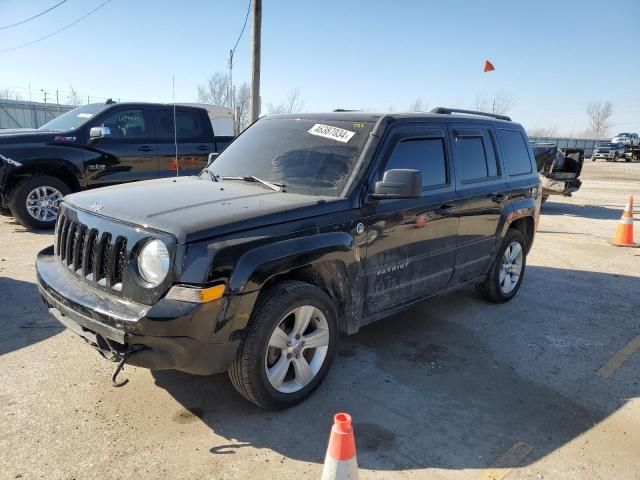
{"type": "Point", "coordinates": [506, 462]}
{"type": "Point", "coordinates": [621, 356]}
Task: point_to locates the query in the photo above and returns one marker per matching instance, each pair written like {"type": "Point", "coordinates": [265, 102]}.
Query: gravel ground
{"type": "Point", "coordinates": [454, 388]}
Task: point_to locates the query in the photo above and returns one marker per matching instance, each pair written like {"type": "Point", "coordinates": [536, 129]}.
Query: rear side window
{"type": "Point", "coordinates": [188, 125]}
{"type": "Point", "coordinates": [477, 156]}
{"type": "Point", "coordinates": [424, 154]}
{"type": "Point", "coordinates": [515, 151]}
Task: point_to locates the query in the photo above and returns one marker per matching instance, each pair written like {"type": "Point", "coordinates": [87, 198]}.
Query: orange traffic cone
{"type": "Point", "coordinates": [340, 462]}
{"type": "Point", "coordinates": [624, 232]}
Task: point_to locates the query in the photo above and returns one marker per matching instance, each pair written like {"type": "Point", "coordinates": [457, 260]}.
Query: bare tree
{"type": "Point", "coordinates": [417, 105]}
{"type": "Point", "coordinates": [241, 115]}
{"type": "Point", "coordinates": [8, 94]}
{"type": "Point", "coordinates": [550, 131]}
{"type": "Point", "coordinates": [599, 114]}
{"type": "Point", "coordinates": [73, 98]}
{"type": "Point", "coordinates": [501, 104]}
{"type": "Point", "coordinates": [293, 104]}
{"type": "Point", "coordinates": [217, 90]}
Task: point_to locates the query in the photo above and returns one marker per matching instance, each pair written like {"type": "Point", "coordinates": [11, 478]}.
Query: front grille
{"type": "Point", "coordinates": [96, 256]}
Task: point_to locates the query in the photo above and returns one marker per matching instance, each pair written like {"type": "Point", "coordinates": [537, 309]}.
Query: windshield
{"type": "Point", "coordinates": [308, 156]}
{"type": "Point", "coordinates": [74, 118]}
{"type": "Point", "coordinates": [623, 135]}
{"type": "Point", "coordinates": [604, 145]}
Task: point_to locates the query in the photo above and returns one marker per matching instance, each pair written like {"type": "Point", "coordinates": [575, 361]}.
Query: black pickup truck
{"type": "Point", "coordinates": [305, 228]}
{"type": "Point", "coordinates": [97, 145]}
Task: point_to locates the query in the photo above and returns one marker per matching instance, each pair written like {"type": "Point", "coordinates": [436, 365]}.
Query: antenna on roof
{"type": "Point", "coordinates": [175, 129]}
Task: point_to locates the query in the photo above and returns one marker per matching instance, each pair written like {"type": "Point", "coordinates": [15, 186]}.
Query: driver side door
{"type": "Point", "coordinates": [411, 242]}
{"type": "Point", "coordinates": [127, 152]}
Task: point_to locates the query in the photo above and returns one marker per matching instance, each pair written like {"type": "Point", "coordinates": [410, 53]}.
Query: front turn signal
{"type": "Point", "coordinates": [196, 295]}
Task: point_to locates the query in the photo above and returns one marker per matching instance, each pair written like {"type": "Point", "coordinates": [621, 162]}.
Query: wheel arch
{"type": "Point", "coordinates": [61, 169]}
{"type": "Point", "coordinates": [328, 261]}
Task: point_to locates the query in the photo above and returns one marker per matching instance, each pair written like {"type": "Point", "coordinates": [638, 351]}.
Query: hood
{"type": "Point", "coordinates": [27, 135]}
{"type": "Point", "coordinates": [194, 208]}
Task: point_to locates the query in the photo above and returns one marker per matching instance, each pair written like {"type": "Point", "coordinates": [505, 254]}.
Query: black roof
{"type": "Point", "coordinates": [358, 116]}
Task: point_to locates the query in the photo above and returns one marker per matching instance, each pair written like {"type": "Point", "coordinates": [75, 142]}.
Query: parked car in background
{"type": "Point", "coordinates": [627, 139]}
{"type": "Point", "coordinates": [608, 151]}
{"type": "Point", "coordinates": [258, 265]}
{"type": "Point", "coordinates": [559, 169]}
{"type": "Point", "coordinates": [102, 144]}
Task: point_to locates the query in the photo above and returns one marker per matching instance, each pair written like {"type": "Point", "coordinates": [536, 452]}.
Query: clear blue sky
{"type": "Point", "coordinates": [554, 57]}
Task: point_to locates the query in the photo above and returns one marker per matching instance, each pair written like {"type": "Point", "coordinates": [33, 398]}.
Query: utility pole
{"type": "Point", "coordinates": [232, 93]}
{"type": "Point", "coordinates": [255, 61]}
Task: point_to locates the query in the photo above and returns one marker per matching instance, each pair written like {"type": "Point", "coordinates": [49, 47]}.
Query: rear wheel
{"type": "Point", "coordinates": [289, 347]}
{"type": "Point", "coordinates": [505, 276]}
{"type": "Point", "coordinates": [35, 201]}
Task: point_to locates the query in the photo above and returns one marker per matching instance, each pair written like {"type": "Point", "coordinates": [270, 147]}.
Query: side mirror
{"type": "Point", "coordinates": [398, 183]}
{"type": "Point", "coordinates": [99, 132]}
{"type": "Point", "coordinates": [212, 157]}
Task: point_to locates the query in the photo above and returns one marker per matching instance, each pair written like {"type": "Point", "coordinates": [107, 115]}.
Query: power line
{"type": "Point", "coordinates": [34, 17]}
{"type": "Point", "coordinates": [57, 31]}
{"type": "Point", "coordinates": [233, 50]}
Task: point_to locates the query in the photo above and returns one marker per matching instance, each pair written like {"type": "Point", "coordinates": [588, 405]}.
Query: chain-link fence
{"type": "Point", "coordinates": [25, 114]}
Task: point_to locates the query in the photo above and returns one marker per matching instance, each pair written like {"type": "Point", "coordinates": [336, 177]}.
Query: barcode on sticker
{"type": "Point", "coordinates": [334, 133]}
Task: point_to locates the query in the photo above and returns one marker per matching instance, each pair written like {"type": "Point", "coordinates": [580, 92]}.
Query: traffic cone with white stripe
{"type": "Point", "coordinates": [624, 232]}
{"type": "Point", "coordinates": [340, 462]}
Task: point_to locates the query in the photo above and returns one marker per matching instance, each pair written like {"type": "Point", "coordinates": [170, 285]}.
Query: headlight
{"type": "Point", "coordinates": [153, 262]}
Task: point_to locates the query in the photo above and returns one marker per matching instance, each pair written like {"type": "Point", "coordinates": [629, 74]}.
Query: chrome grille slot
{"type": "Point", "coordinates": [71, 237]}
{"type": "Point", "coordinates": [89, 253]}
{"type": "Point", "coordinates": [78, 250]}
{"type": "Point", "coordinates": [103, 261]}
{"type": "Point", "coordinates": [59, 226]}
{"type": "Point", "coordinates": [120, 262]}
{"type": "Point", "coordinates": [62, 248]}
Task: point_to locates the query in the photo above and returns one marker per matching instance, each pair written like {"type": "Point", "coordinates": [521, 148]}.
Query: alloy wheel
{"type": "Point", "coordinates": [43, 203]}
{"type": "Point", "coordinates": [297, 349]}
{"type": "Point", "coordinates": [511, 267]}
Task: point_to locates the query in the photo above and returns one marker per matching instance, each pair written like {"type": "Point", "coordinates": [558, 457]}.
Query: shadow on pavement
{"type": "Point", "coordinates": [586, 211]}
{"type": "Point", "coordinates": [451, 383]}
{"type": "Point", "coordinates": [23, 317]}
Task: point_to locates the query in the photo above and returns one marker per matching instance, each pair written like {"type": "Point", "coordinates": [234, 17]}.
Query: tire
{"type": "Point", "coordinates": [491, 288]}
{"type": "Point", "coordinates": [248, 372]}
{"type": "Point", "coordinates": [20, 193]}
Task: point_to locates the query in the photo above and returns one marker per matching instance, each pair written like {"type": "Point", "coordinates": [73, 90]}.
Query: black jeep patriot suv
{"type": "Point", "coordinates": [305, 228]}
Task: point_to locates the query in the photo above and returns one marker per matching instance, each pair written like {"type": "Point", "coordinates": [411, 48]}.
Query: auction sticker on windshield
{"type": "Point", "coordinates": [334, 133]}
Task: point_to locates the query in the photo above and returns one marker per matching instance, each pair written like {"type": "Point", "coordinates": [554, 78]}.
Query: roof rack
{"type": "Point", "coordinates": [470, 112]}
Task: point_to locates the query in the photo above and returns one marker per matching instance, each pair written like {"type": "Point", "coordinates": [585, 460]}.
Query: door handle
{"type": "Point", "coordinates": [498, 197]}
{"type": "Point", "coordinates": [203, 148]}
{"type": "Point", "coordinates": [146, 148]}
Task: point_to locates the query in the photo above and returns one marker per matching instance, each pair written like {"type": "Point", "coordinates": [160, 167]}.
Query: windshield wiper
{"type": "Point", "coordinates": [250, 178]}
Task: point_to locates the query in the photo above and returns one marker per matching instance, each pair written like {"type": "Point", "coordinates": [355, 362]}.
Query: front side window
{"type": "Point", "coordinates": [126, 124]}
{"type": "Point", "coordinates": [516, 152]}
{"type": "Point", "coordinates": [423, 154]}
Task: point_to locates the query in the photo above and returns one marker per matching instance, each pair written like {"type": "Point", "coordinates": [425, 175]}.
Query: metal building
{"type": "Point", "coordinates": [25, 114]}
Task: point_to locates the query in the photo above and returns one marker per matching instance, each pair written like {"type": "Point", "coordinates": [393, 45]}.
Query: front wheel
{"type": "Point", "coordinates": [289, 347]}
{"type": "Point", "coordinates": [505, 276]}
{"type": "Point", "coordinates": [35, 201]}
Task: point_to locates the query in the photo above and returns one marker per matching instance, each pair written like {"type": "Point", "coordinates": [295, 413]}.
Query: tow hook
{"type": "Point", "coordinates": [119, 367]}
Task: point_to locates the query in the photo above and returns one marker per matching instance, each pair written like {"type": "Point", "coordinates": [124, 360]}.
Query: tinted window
{"type": "Point", "coordinates": [423, 154]}
{"type": "Point", "coordinates": [187, 123]}
{"type": "Point", "coordinates": [126, 123]}
{"type": "Point", "coordinates": [477, 156]}
{"type": "Point", "coordinates": [516, 153]}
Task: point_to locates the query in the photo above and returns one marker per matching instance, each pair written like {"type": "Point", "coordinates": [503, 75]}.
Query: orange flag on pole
{"type": "Point", "coordinates": [488, 66]}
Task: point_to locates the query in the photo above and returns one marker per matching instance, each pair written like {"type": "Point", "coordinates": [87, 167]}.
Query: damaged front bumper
{"type": "Point", "coordinates": [7, 165]}
{"type": "Point", "coordinates": [168, 335]}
